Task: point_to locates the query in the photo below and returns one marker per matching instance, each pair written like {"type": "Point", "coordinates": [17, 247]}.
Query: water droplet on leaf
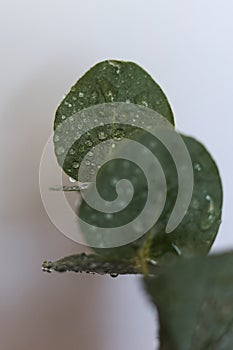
{"type": "Point", "coordinates": [75, 165]}
{"type": "Point", "coordinates": [60, 150]}
{"type": "Point", "coordinates": [113, 274]}
{"type": "Point", "coordinates": [102, 135]}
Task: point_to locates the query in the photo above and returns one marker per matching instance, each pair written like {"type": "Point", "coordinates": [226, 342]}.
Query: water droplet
{"type": "Point", "coordinates": [71, 151]}
{"type": "Point", "coordinates": [141, 100]}
{"type": "Point", "coordinates": [71, 179]}
{"type": "Point", "coordinates": [102, 135]}
{"type": "Point", "coordinates": [90, 154]}
{"type": "Point", "coordinates": [208, 216]}
{"type": "Point", "coordinates": [118, 134]}
{"type": "Point", "coordinates": [115, 65]}
{"type": "Point", "coordinates": [56, 138]}
{"type": "Point", "coordinates": [195, 204]}
{"type": "Point", "coordinates": [60, 150]}
{"type": "Point", "coordinates": [127, 101]}
{"type": "Point", "coordinates": [113, 145]}
{"type": "Point", "coordinates": [152, 262]}
{"type": "Point", "coordinates": [177, 249]}
{"type": "Point", "coordinates": [114, 181]}
{"type": "Point", "coordinates": [87, 162]}
{"type": "Point", "coordinates": [110, 95]}
{"type": "Point", "coordinates": [63, 117]}
{"type": "Point", "coordinates": [75, 165]}
{"type": "Point", "coordinates": [144, 103]}
{"type": "Point", "coordinates": [81, 94]}
{"type": "Point", "coordinates": [108, 216]}
{"type": "Point", "coordinates": [73, 88]}
{"type": "Point", "coordinates": [71, 119]}
{"type": "Point", "coordinates": [113, 274]}
{"type": "Point", "coordinates": [197, 167]}
{"type": "Point", "coordinates": [69, 105]}
{"type": "Point", "coordinates": [158, 102]}
{"type": "Point", "coordinates": [94, 97]}
{"type": "Point", "coordinates": [88, 143]}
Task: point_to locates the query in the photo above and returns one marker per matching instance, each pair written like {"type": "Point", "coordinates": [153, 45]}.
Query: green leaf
{"type": "Point", "coordinates": [197, 231]}
{"type": "Point", "coordinates": [118, 81]}
{"type": "Point", "coordinates": [108, 81]}
{"type": "Point", "coordinates": [114, 81]}
{"type": "Point", "coordinates": [194, 298]}
{"type": "Point", "coordinates": [90, 263]}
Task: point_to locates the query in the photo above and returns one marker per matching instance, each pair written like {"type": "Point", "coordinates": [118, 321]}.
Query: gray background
{"type": "Point", "coordinates": [45, 47]}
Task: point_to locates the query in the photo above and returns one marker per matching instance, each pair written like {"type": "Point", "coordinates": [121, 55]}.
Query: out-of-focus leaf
{"type": "Point", "coordinates": [194, 298]}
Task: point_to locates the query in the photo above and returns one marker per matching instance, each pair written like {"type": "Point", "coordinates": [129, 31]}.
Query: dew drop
{"type": "Point", "coordinates": [197, 167]}
{"type": "Point", "coordinates": [144, 103]}
{"type": "Point", "coordinates": [115, 65]}
{"type": "Point", "coordinates": [87, 162]}
{"type": "Point", "coordinates": [108, 216]}
{"type": "Point", "coordinates": [56, 138]}
{"type": "Point", "coordinates": [208, 216]}
{"type": "Point", "coordinates": [88, 143]}
{"type": "Point", "coordinates": [110, 95]}
{"type": "Point", "coordinates": [63, 117]}
{"type": "Point", "coordinates": [60, 150]}
{"type": "Point", "coordinates": [195, 204]}
{"type": "Point", "coordinates": [81, 94]}
{"type": "Point", "coordinates": [118, 134]}
{"type": "Point", "coordinates": [177, 249]}
{"type": "Point", "coordinates": [71, 151]}
{"type": "Point", "coordinates": [152, 262]}
{"type": "Point", "coordinates": [113, 274]}
{"type": "Point", "coordinates": [75, 165]}
{"type": "Point", "coordinates": [90, 154]}
{"type": "Point", "coordinates": [94, 97]}
{"type": "Point", "coordinates": [71, 179]}
{"type": "Point", "coordinates": [102, 135]}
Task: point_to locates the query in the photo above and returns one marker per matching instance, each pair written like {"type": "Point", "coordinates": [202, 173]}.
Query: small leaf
{"type": "Point", "coordinates": [91, 263]}
{"type": "Point", "coordinates": [108, 81]}
{"type": "Point", "coordinates": [194, 299]}
{"type": "Point", "coordinates": [114, 81]}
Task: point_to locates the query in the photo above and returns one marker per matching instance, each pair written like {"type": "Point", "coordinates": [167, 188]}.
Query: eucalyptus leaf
{"type": "Point", "coordinates": [194, 298]}
{"type": "Point", "coordinates": [106, 82]}
{"type": "Point", "coordinates": [114, 81]}
{"type": "Point", "coordinates": [197, 231]}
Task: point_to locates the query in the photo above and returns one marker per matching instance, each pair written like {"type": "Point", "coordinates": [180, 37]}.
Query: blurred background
{"type": "Point", "coordinates": [46, 46]}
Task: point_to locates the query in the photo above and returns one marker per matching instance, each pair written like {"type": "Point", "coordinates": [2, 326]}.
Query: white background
{"type": "Point", "coordinates": [46, 46]}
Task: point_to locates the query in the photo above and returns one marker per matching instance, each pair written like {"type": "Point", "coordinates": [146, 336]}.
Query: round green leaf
{"type": "Point", "coordinates": [197, 231]}
{"type": "Point", "coordinates": [108, 81]}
